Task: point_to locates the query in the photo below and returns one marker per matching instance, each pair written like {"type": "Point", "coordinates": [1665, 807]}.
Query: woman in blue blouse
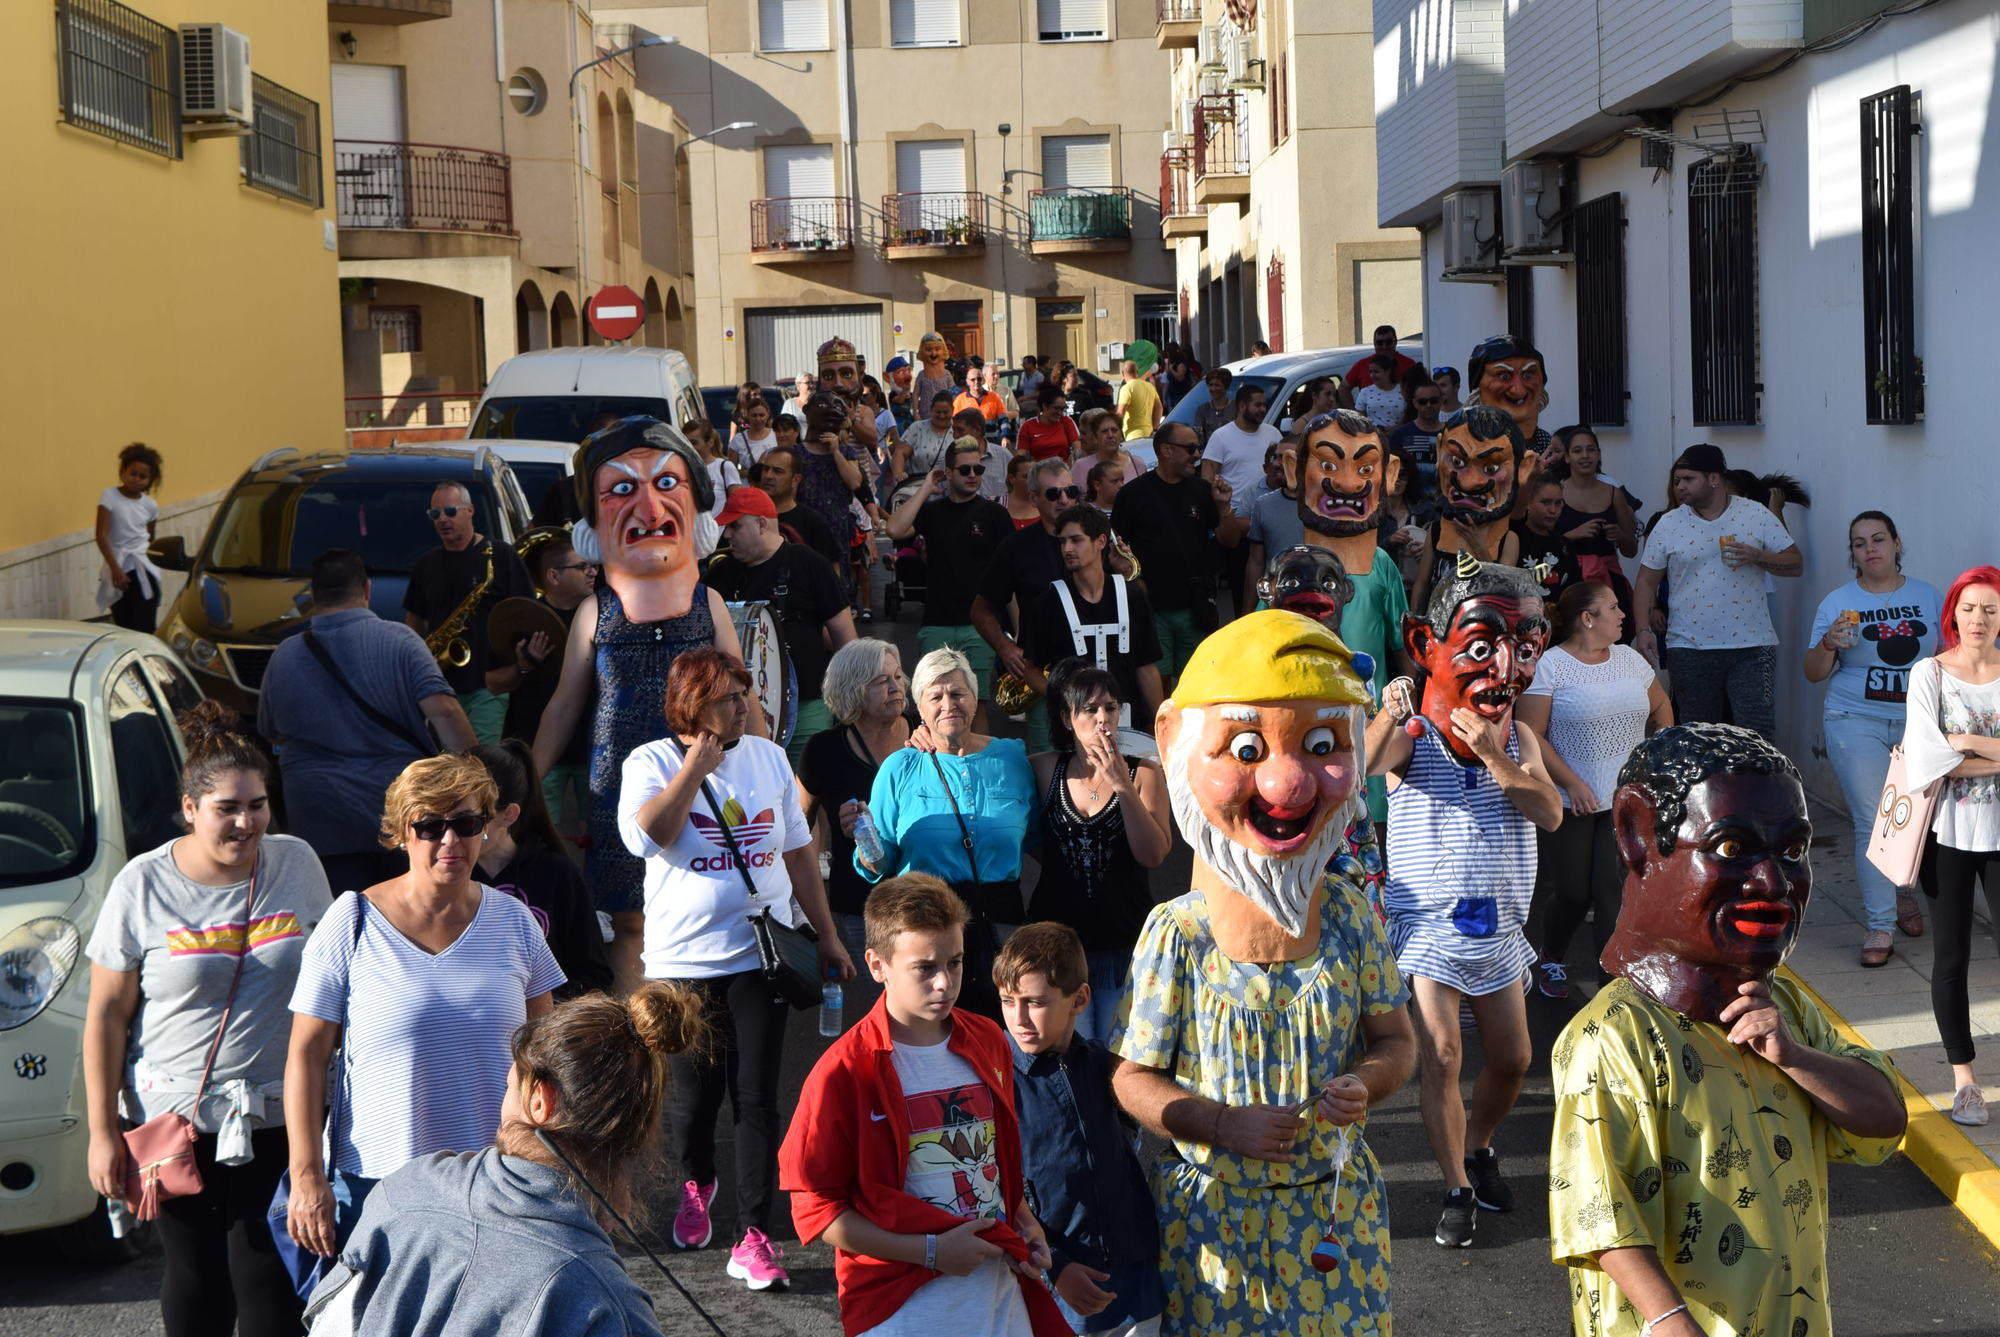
{"type": "Point", "coordinates": [949, 789]}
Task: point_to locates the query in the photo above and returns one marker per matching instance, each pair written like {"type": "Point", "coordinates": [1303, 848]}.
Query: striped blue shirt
{"type": "Point", "coordinates": [426, 1045]}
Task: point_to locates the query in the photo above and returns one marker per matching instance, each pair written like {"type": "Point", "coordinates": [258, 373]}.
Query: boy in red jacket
{"type": "Point", "coordinates": [905, 1150]}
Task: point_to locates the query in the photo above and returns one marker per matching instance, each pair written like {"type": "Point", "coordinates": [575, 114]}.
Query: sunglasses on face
{"type": "Point", "coordinates": [1062, 493]}
{"type": "Point", "coordinates": [576, 566]}
{"type": "Point", "coordinates": [447, 512]}
{"type": "Point", "coordinates": [465, 826]}
{"type": "Point", "coordinates": [972, 470]}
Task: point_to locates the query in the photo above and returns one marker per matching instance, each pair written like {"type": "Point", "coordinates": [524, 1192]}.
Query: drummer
{"type": "Point", "coordinates": [526, 638]}
{"type": "Point", "coordinates": [761, 566]}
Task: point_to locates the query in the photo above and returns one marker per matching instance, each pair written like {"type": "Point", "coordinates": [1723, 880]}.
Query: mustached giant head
{"type": "Point", "coordinates": [1478, 644]}
{"type": "Point", "coordinates": [1342, 473]}
{"type": "Point", "coordinates": [1482, 459]}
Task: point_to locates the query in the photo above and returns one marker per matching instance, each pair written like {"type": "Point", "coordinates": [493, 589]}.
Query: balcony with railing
{"type": "Point", "coordinates": [1180, 216]}
{"type": "Point", "coordinates": [386, 11]}
{"type": "Point", "coordinates": [1065, 220]}
{"type": "Point", "coordinates": [933, 225]}
{"type": "Point", "coordinates": [382, 184]}
{"type": "Point", "coordinates": [1177, 25]}
{"type": "Point", "coordinates": [802, 229]}
{"type": "Point", "coordinates": [1221, 150]}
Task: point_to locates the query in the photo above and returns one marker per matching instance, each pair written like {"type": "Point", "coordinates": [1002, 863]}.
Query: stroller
{"type": "Point", "coordinates": [908, 572]}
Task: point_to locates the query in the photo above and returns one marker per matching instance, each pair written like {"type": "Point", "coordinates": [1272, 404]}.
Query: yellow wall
{"type": "Point", "coordinates": [153, 298]}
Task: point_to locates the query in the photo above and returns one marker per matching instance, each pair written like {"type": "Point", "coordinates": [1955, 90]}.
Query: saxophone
{"type": "Point", "coordinates": [447, 644]}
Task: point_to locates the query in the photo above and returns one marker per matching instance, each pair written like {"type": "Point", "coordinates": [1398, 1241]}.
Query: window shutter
{"type": "Point", "coordinates": [798, 170]}
{"type": "Point", "coordinates": [923, 23]}
{"type": "Point", "coordinates": [930, 166]}
{"type": "Point", "coordinates": [1081, 161]}
{"type": "Point", "coordinates": [793, 25]}
{"type": "Point", "coordinates": [1060, 20]}
{"type": "Point", "coordinates": [368, 102]}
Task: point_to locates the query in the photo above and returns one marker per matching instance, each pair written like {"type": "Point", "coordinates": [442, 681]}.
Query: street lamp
{"type": "Point", "coordinates": [582, 154]}
{"type": "Point", "coordinates": [719, 130]}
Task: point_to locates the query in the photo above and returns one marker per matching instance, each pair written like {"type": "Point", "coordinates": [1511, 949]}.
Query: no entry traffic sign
{"type": "Point", "coordinates": [615, 312]}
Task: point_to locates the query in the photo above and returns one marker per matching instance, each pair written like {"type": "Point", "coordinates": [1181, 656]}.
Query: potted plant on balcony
{"type": "Point", "coordinates": [822, 240]}
{"type": "Point", "coordinates": [959, 231]}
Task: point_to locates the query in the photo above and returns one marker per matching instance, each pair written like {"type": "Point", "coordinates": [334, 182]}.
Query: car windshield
{"type": "Point", "coordinates": [536, 480]}
{"type": "Point", "coordinates": [44, 817]}
{"type": "Point", "coordinates": [276, 529]}
{"type": "Point", "coordinates": [560, 417]}
{"type": "Point", "coordinates": [1192, 401]}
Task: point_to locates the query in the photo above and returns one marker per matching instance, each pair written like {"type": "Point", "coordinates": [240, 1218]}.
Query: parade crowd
{"type": "Point", "coordinates": [538, 909]}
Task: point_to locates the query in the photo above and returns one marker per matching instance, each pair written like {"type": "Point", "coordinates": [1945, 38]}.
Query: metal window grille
{"type": "Point", "coordinates": [400, 328]}
{"type": "Point", "coordinates": [281, 152]}
{"type": "Point", "coordinates": [1521, 303]}
{"type": "Point", "coordinates": [1888, 257]}
{"type": "Point", "coordinates": [1274, 303]}
{"type": "Point", "coordinates": [1722, 293]}
{"type": "Point", "coordinates": [1599, 229]}
{"type": "Point", "coordinates": [119, 74]}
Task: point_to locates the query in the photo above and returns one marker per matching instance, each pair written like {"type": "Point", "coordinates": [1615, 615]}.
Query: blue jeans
{"type": "Point", "coordinates": [1858, 746]}
{"type": "Point", "coordinates": [1110, 980]}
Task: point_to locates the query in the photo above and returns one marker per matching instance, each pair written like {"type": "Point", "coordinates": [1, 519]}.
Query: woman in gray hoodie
{"type": "Point", "coordinates": [506, 1240]}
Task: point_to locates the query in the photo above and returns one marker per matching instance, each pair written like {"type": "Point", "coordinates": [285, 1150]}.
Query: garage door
{"type": "Point", "coordinates": [784, 341]}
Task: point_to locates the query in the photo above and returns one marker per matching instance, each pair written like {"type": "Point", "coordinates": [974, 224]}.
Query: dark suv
{"type": "Point", "coordinates": [246, 587]}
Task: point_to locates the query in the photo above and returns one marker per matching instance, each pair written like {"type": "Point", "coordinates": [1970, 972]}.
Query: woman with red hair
{"type": "Point", "coordinates": [716, 817]}
{"type": "Point", "coordinates": [1953, 733]}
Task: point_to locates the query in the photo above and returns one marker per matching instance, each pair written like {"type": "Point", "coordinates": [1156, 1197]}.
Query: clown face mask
{"type": "Point", "coordinates": [1482, 663]}
{"type": "Point", "coordinates": [645, 512]}
{"type": "Point", "coordinates": [1309, 581]}
{"type": "Point", "coordinates": [1477, 478]}
{"type": "Point", "coordinates": [1341, 478]}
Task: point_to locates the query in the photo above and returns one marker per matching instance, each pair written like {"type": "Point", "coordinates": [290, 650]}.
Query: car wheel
{"type": "Point", "coordinates": [90, 1241]}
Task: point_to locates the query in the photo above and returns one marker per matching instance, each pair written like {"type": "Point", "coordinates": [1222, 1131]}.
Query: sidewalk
{"type": "Point", "coordinates": [1890, 1009]}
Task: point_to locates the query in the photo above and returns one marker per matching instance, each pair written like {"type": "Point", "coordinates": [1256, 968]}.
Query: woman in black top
{"type": "Point", "coordinates": [1105, 822]}
{"type": "Point", "coordinates": [1597, 519]}
{"type": "Point", "coordinates": [865, 691]}
{"type": "Point", "coordinates": [524, 857]}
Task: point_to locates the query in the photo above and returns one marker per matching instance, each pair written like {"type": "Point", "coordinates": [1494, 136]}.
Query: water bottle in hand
{"type": "Point", "coordinates": [868, 841]}
{"type": "Point", "coordinates": [832, 1002]}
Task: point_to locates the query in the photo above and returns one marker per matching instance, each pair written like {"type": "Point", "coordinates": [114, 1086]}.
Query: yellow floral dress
{"type": "Point", "coordinates": [1237, 1235]}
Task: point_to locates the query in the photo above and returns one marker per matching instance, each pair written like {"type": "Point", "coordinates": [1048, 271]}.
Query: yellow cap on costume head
{"type": "Point", "coordinates": [1271, 656]}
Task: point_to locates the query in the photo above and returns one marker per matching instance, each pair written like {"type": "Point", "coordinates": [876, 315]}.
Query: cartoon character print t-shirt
{"type": "Point", "coordinates": [1872, 676]}
{"type": "Point", "coordinates": [952, 1163]}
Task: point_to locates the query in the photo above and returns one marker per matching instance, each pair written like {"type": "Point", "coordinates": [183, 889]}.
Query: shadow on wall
{"type": "Point", "coordinates": [680, 76]}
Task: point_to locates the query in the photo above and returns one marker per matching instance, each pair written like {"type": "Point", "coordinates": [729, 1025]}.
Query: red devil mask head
{"type": "Point", "coordinates": [1479, 644]}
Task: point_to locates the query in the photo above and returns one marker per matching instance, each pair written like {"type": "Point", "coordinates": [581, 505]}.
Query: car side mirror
{"type": "Point", "coordinates": [170, 553]}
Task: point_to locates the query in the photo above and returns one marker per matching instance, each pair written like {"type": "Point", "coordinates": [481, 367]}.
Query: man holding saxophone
{"type": "Point", "coordinates": [453, 588]}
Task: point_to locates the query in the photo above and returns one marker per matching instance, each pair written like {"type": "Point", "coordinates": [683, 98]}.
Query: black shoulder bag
{"type": "Point", "coordinates": [425, 746]}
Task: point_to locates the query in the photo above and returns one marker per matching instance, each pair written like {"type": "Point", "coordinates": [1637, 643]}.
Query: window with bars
{"type": "Point", "coordinates": [399, 328]}
{"type": "Point", "coordinates": [1274, 303]}
{"type": "Point", "coordinates": [119, 74]}
{"type": "Point", "coordinates": [1521, 303]}
{"type": "Point", "coordinates": [281, 152]}
{"type": "Point", "coordinates": [1888, 256]}
{"type": "Point", "coordinates": [1599, 229]}
{"type": "Point", "coordinates": [1722, 291]}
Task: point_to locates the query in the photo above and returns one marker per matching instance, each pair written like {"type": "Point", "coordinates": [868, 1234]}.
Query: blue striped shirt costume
{"type": "Point", "coordinates": [1461, 871]}
{"type": "Point", "coordinates": [427, 1035]}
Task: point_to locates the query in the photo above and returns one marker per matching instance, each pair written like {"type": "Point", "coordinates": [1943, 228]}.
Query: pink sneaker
{"type": "Point", "coordinates": [692, 1228]}
{"type": "Point", "coordinates": [754, 1262]}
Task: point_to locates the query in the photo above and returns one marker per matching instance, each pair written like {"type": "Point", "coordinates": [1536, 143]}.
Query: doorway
{"type": "Point", "coordinates": [963, 326]}
{"type": "Point", "coordinates": [1153, 317]}
{"type": "Point", "coordinates": [1059, 331]}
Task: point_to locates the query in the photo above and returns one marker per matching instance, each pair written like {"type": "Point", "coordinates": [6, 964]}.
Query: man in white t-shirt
{"type": "Point", "coordinates": [1236, 449]}
{"type": "Point", "coordinates": [1713, 550]}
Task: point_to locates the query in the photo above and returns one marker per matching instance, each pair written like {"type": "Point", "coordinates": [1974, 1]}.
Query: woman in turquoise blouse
{"type": "Point", "coordinates": [951, 786]}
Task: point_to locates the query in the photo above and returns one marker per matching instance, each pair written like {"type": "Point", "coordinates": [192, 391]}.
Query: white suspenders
{"type": "Point", "coordinates": [1093, 641]}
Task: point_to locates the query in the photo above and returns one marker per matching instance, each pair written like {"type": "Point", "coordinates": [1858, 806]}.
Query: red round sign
{"type": "Point", "coordinates": [615, 312]}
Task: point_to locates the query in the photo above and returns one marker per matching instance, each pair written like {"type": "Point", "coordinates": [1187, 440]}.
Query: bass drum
{"type": "Point", "coordinates": [773, 678]}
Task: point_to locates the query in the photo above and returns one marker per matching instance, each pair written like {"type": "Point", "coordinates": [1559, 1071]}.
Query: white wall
{"type": "Point", "coordinates": [1438, 113]}
{"type": "Point", "coordinates": [1937, 478]}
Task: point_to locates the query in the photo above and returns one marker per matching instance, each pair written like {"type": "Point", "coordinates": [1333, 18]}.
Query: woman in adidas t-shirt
{"type": "Point", "coordinates": [716, 817]}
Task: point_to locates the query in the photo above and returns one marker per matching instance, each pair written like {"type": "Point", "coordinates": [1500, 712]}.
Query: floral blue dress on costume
{"type": "Point", "coordinates": [1237, 1234]}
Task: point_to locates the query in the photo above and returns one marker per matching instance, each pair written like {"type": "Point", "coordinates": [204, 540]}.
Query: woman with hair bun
{"type": "Point", "coordinates": [177, 926]}
{"type": "Point", "coordinates": [582, 1109]}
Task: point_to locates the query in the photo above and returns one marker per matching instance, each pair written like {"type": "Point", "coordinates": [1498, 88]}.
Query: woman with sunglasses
{"type": "Point", "coordinates": [421, 981]}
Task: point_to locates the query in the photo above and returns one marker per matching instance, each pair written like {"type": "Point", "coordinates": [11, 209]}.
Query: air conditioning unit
{"type": "Point", "coordinates": [1209, 48]}
{"type": "Point", "coordinates": [1536, 198]}
{"type": "Point", "coordinates": [215, 80]}
{"type": "Point", "coordinates": [1471, 238]}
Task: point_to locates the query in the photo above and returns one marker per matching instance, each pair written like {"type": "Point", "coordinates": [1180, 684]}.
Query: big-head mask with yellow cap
{"type": "Point", "coordinates": [1262, 743]}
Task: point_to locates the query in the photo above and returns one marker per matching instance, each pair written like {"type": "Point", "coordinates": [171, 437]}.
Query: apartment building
{"type": "Point", "coordinates": [1267, 179]}
{"type": "Point", "coordinates": [879, 168]}
{"type": "Point", "coordinates": [175, 266]}
{"type": "Point", "coordinates": [1764, 225]}
{"type": "Point", "coordinates": [492, 169]}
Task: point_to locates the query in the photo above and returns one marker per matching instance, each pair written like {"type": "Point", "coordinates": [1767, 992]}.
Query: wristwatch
{"type": "Point", "coordinates": [930, 1265]}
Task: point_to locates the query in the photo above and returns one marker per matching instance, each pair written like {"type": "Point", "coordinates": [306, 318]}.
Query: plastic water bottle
{"type": "Point", "coordinates": [867, 840]}
{"type": "Point", "coordinates": [832, 1002]}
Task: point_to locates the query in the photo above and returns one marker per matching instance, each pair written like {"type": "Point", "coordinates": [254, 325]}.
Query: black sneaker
{"type": "Point", "coordinates": [1455, 1226]}
{"type": "Point", "coordinates": [1489, 1190]}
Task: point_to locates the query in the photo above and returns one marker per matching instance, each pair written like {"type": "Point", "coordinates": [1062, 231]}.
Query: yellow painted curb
{"type": "Point", "coordinates": [1966, 1175]}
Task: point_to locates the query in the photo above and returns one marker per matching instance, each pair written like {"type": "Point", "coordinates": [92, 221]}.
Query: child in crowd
{"type": "Point", "coordinates": [905, 1151]}
{"type": "Point", "coordinates": [130, 585]}
{"type": "Point", "coordinates": [1084, 1177]}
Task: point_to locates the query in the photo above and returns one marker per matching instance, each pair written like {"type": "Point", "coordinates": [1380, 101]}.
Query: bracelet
{"type": "Point", "coordinates": [1646, 1328]}
{"type": "Point", "coordinates": [930, 1255]}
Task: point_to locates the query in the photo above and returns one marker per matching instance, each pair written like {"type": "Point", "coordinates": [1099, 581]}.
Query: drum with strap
{"type": "Point", "coordinates": [773, 678]}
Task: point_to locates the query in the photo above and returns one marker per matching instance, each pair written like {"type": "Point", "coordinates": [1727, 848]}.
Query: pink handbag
{"type": "Point", "coordinates": [159, 1153]}
{"type": "Point", "coordinates": [1902, 823]}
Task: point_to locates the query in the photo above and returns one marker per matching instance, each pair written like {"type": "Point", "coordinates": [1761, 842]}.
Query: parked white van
{"type": "Point", "coordinates": [557, 394]}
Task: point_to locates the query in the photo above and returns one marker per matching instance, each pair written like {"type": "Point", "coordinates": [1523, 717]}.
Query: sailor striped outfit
{"type": "Point", "coordinates": [1461, 871]}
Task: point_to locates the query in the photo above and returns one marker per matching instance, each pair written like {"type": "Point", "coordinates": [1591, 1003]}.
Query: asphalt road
{"type": "Point", "coordinates": [1903, 1262]}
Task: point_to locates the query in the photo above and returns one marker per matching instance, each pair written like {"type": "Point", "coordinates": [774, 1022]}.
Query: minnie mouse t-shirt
{"type": "Point", "coordinates": [1872, 677]}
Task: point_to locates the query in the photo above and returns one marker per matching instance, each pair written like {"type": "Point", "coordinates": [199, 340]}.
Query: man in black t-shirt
{"type": "Point", "coordinates": [527, 675]}
{"type": "Point", "coordinates": [778, 476]}
{"type": "Point", "coordinates": [799, 584]}
{"type": "Point", "coordinates": [444, 578]}
{"type": "Point", "coordinates": [1110, 615]}
{"type": "Point", "coordinates": [1176, 522]}
{"type": "Point", "coordinates": [1019, 576]}
{"type": "Point", "coordinates": [961, 531]}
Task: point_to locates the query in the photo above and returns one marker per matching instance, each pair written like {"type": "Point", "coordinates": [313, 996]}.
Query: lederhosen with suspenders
{"type": "Point", "coordinates": [1092, 641]}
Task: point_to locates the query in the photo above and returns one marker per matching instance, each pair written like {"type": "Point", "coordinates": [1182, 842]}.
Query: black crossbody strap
{"type": "Point", "coordinates": [728, 836]}
{"type": "Point", "coordinates": [964, 831]}
{"type": "Point", "coordinates": [423, 745]}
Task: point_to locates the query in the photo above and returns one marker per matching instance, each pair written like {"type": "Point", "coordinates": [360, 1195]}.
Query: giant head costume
{"type": "Point", "coordinates": [1482, 461]}
{"type": "Point", "coordinates": [1343, 474]}
{"type": "Point", "coordinates": [1477, 644]}
{"type": "Point", "coordinates": [642, 488]}
{"type": "Point", "coordinates": [1309, 581]}
{"type": "Point", "coordinates": [1711, 826]}
{"type": "Point", "coordinates": [1507, 373]}
{"type": "Point", "coordinates": [1262, 742]}
{"type": "Point", "coordinates": [839, 368]}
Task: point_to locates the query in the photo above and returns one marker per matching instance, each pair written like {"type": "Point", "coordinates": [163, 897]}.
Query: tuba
{"type": "Point", "coordinates": [447, 642]}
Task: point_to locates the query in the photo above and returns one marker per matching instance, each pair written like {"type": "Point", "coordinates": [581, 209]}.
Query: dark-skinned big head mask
{"type": "Point", "coordinates": [1477, 645]}
{"type": "Point", "coordinates": [1342, 474]}
{"type": "Point", "coordinates": [1482, 461]}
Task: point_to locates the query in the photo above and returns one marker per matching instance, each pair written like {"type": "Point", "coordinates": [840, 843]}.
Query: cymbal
{"type": "Point", "coordinates": [515, 619]}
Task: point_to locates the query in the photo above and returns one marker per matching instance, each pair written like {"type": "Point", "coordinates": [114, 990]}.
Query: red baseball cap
{"type": "Point", "coordinates": [744, 500]}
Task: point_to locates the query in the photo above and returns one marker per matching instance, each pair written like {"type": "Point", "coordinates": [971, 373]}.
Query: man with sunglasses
{"type": "Point", "coordinates": [962, 531]}
{"type": "Point", "coordinates": [1019, 578]}
{"type": "Point", "coordinates": [443, 579]}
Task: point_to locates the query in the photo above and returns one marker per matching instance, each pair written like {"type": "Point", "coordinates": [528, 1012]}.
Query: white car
{"type": "Point", "coordinates": [542, 468]}
{"type": "Point", "coordinates": [90, 763]}
{"type": "Point", "coordinates": [561, 394]}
